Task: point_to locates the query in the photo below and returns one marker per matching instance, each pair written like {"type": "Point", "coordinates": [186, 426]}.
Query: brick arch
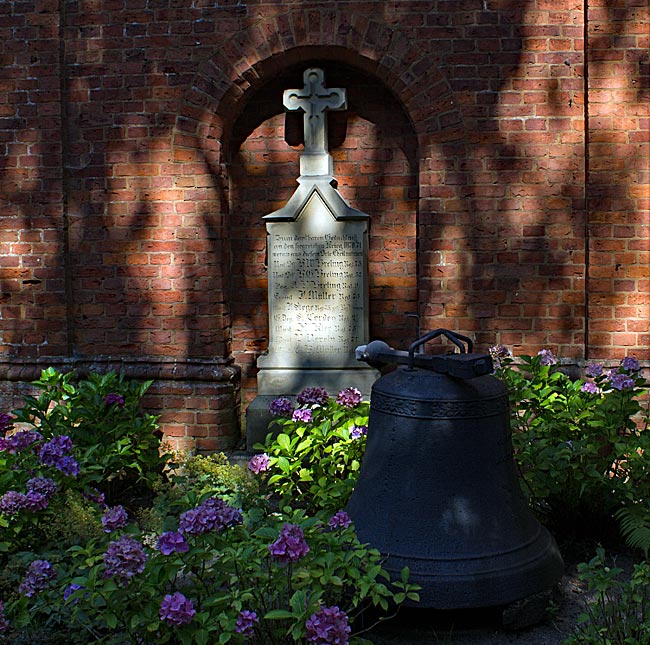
{"type": "Point", "coordinates": [376, 162]}
{"type": "Point", "coordinates": [233, 74]}
{"type": "Point", "coordinates": [252, 55]}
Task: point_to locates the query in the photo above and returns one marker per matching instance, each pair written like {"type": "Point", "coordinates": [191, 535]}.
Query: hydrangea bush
{"type": "Point", "coordinates": [95, 428]}
{"type": "Point", "coordinates": [314, 454]}
{"type": "Point", "coordinates": [198, 568]}
{"type": "Point", "coordinates": [217, 575]}
{"type": "Point", "coordinates": [78, 440]}
{"type": "Point", "coordinates": [580, 443]}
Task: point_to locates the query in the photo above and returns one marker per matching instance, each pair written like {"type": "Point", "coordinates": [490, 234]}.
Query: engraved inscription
{"type": "Point", "coordinates": [316, 283]}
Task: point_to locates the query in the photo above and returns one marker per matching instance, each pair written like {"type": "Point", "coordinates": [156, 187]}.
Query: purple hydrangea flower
{"type": "Point", "coordinates": [245, 623]}
{"type": "Point", "coordinates": [124, 558]}
{"type": "Point", "coordinates": [39, 574]}
{"type": "Point", "coordinates": [4, 623]}
{"type": "Point", "coordinates": [5, 421]}
{"type": "Point", "coordinates": [35, 501]}
{"type": "Point", "coordinates": [589, 388]}
{"type": "Point", "coordinates": [290, 546]}
{"type": "Point", "coordinates": [302, 415]}
{"type": "Point", "coordinates": [594, 370]}
{"type": "Point", "coordinates": [328, 626]}
{"type": "Point", "coordinates": [356, 432]}
{"type": "Point", "coordinates": [620, 381]}
{"type": "Point", "coordinates": [259, 463]}
{"type": "Point", "coordinates": [176, 609]}
{"type": "Point", "coordinates": [55, 453]}
{"type": "Point", "coordinates": [350, 397]}
{"type": "Point", "coordinates": [281, 407]}
{"type": "Point", "coordinates": [68, 466]}
{"type": "Point", "coordinates": [340, 519]}
{"type": "Point", "coordinates": [51, 452]}
{"type": "Point", "coordinates": [172, 542]}
{"type": "Point", "coordinates": [42, 485]}
{"type": "Point", "coordinates": [114, 398]}
{"type": "Point", "coordinates": [20, 440]}
{"type": "Point", "coordinates": [95, 496]}
{"type": "Point", "coordinates": [114, 518]}
{"type": "Point", "coordinates": [196, 521]}
{"type": "Point", "coordinates": [211, 515]}
{"type": "Point", "coordinates": [70, 589]}
{"type": "Point", "coordinates": [12, 502]}
{"type": "Point", "coordinates": [499, 351]}
{"type": "Point", "coordinates": [313, 396]}
{"type": "Point", "coordinates": [548, 358]}
{"type": "Point", "coordinates": [630, 364]}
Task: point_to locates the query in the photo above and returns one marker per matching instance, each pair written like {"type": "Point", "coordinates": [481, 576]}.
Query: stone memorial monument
{"type": "Point", "coordinates": [318, 278]}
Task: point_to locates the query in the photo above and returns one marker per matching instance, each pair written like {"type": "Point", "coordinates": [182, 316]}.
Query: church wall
{"type": "Point", "coordinates": [511, 202]}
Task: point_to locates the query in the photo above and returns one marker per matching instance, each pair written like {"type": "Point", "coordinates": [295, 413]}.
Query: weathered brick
{"type": "Point", "coordinates": [476, 177]}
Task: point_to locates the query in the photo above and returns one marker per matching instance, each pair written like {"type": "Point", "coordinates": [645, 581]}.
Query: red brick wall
{"type": "Point", "coordinates": [32, 219]}
{"type": "Point", "coordinates": [503, 160]}
{"type": "Point", "coordinates": [619, 177]}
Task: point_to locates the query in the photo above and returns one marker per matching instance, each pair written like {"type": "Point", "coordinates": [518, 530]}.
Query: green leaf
{"type": "Point", "coordinates": [278, 614]}
{"type": "Point", "coordinates": [284, 465]}
{"type": "Point", "coordinates": [298, 601]}
{"type": "Point", "coordinates": [304, 444]}
{"type": "Point", "coordinates": [284, 442]}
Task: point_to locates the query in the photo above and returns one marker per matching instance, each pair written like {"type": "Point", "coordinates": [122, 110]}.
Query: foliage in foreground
{"type": "Point", "coordinates": [581, 443]}
{"type": "Point", "coordinates": [619, 613]}
{"type": "Point", "coordinates": [316, 448]}
{"type": "Point", "coordinates": [211, 559]}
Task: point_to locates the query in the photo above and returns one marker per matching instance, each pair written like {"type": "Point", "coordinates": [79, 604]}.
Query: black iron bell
{"type": "Point", "coordinates": [438, 490]}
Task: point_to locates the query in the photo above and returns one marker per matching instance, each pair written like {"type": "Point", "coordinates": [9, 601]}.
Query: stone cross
{"type": "Point", "coordinates": [314, 99]}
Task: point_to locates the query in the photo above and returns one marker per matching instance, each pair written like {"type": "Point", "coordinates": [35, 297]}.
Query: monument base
{"type": "Point", "coordinates": [275, 383]}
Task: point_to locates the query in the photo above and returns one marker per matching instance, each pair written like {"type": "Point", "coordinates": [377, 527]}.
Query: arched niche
{"type": "Point", "coordinates": [375, 152]}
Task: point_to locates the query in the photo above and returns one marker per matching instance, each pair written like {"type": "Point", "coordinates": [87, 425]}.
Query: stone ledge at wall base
{"type": "Point", "coordinates": [289, 383]}
{"type": "Point", "coordinates": [194, 399]}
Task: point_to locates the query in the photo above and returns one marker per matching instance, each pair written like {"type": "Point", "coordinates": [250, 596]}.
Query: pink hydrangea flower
{"type": "Point", "coordinates": [350, 397]}
{"type": "Point", "coordinates": [302, 415]}
{"type": "Point", "coordinates": [259, 463]}
{"type": "Point", "coordinates": [547, 357]}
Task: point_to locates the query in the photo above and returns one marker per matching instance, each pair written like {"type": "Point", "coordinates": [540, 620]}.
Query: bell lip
{"type": "Point", "coordinates": [499, 585]}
